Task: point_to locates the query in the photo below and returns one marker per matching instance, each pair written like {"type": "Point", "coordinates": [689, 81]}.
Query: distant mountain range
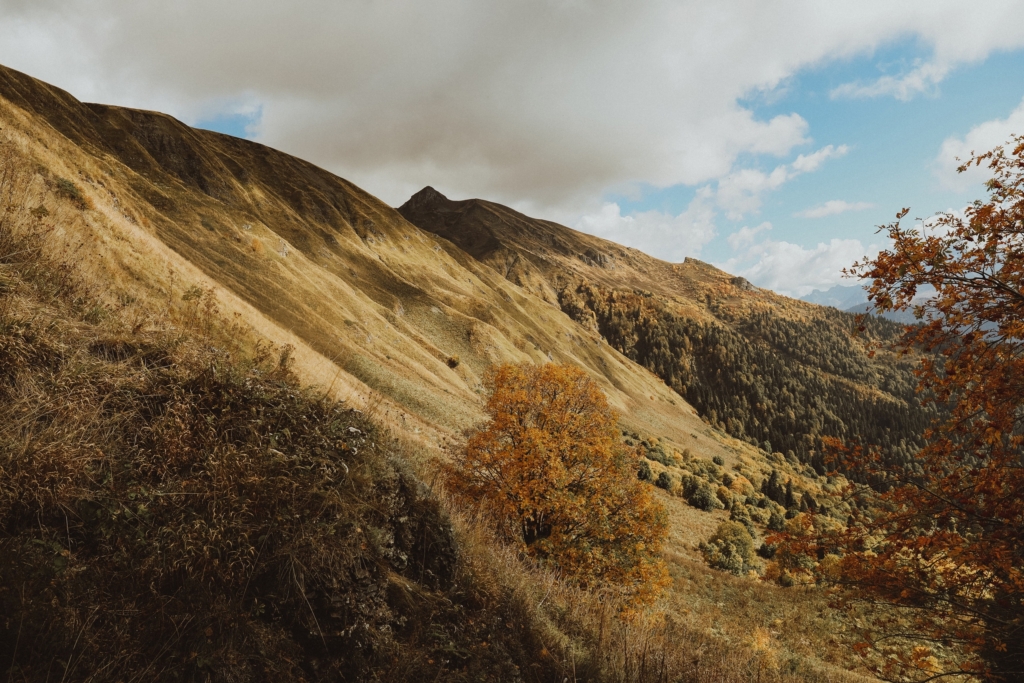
{"type": "Point", "coordinates": [843, 297]}
{"type": "Point", "coordinates": [853, 299]}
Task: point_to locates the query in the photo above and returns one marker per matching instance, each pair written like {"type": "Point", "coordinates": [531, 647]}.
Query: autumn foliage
{"type": "Point", "coordinates": [550, 468]}
{"type": "Point", "coordinates": [945, 545]}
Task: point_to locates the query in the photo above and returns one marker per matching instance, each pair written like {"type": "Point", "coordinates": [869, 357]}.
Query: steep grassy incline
{"type": "Point", "coordinates": [219, 369]}
{"type": "Point", "coordinates": [775, 372]}
{"type": "Point", "coordinates": [379, 311]}
{"type": "Point", "coordinates": [175, 508]}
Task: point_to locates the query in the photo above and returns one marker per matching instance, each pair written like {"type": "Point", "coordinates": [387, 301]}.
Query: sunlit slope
{"type": "Point", "coordinates": [543, 256]}
{"type": "Point", "coordinates": [375, 305]}
{"type": "Point", "coordinates": [765, 368]}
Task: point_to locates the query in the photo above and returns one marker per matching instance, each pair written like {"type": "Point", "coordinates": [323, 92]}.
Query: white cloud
{"type": "Point", "coordinates": [923, 78]}
{"type": "Point", "coordinates": [550, 102]}
{"type": "Point", "coordinates": [794, 270]}
{"type": "Point", "coordinates": [744, 237]}
{"type": "Point", "coordinates": [739, 193]}
{"type": "Point", "coordinates": [811, 162]}
{"type": "Point", "coordinates": [833, 207]}
{"type": "Point", "coordinates": [981, 138]}
{"type": "Point", "coordinates": [661, 235]}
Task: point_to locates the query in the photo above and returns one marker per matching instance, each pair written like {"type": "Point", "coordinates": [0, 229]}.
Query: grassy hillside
{"type": "Point", "coordinates": [376, 308]}
{"type": "Point", "coordinates": [174, 505]}
{"type": "Point", "coordinates": [774, 372]}
{"type": "Point", "coordinates": [183, 499]}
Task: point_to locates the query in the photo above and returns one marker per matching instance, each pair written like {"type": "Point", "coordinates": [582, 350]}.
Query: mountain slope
{"type": "Point", "coordinates": [375, 306]}
{"type": "Point", "coordinates": [776, 372]}
{"type": "Point", "coordinates": [170, 229]}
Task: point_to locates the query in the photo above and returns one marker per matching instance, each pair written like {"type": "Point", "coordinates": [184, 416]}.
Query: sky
{"type": "Point", "coordinates": [768, 138]}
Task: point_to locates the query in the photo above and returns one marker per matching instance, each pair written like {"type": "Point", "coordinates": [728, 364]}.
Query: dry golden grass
{"type": "Point", "coordinates": [157, 227]}
{"type": "Point", "coordinates": [373, 308]}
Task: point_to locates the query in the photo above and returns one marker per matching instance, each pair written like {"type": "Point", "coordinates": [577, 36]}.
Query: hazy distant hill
{"type": "Point", "coordinates": [853, 299]}
{"type": "Point", "coordinates": [843, 297]}
{"type": "Point", "coordinates": [904, 317]}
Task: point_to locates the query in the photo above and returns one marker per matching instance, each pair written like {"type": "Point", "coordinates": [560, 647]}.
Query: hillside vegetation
{"type": "Point", "coordinates": [226, 372]}
{"type": "Point", "coordinates": [777, 373]}
{"type": "Point", "coordinates": [175, 506]}
{"type": "Point", "coordinates": [780, 383]}
{"type": "Point", "coordinates": [376, 308]}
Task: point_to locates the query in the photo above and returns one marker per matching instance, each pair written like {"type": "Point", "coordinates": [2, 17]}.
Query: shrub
{"type": "Point", "coordinates": [718, 460]}
{"type": "Point", "coordinates": [550, 468]}
{"type": "Point", "coordinates": [664, 481]}
{"type": "Point", "coordinates": [68, 190]}
{"type": "Point", "coordinates": [702, 496]}
{"type": "Point", "coordinates": [731, 548]}
{"type": "Point", "coordinates": [724, 497]}
{"type": "Point", "coordinates": [704, 469]}
{"type": "Point", "coordinates": [741, 513]}
{"type": "Point", "coordinates": [776, 522]}
{"type": "Point", "coordinates": [644, 472]}
{"type": "Point", "coordinates": [652, 450]}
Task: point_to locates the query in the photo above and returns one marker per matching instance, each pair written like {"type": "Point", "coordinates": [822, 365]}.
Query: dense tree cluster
{"type": "Point", "coordinates": [778, 383]}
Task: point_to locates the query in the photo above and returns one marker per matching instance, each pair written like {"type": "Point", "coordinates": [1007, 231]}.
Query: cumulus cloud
{"type": "Point", "coordinates": [833, 207]}
{"type": "Point", "coordinates": [794, 270]}
{"type": "Point", "coordinates": [981, 138]}
{"type": "Point", "coordinates": [740, 192]}
{"type": "Point", "coordinates": [808, 163]}
{"type": "Point", "coordinates": [745, 236]}
{"type": "Point", "coordinates": [661, 235]}
{"type": "Point", "coordinates": [546, 102]}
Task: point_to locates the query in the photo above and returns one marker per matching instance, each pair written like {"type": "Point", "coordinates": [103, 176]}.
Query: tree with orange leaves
{"type": "Point", "coordinates": [944, 547]}
{"type": "Point", "coordinates": [549, 467]}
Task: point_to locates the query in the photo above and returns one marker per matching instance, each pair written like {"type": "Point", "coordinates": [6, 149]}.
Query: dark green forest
{"type": "Point", "coordinates": [777, 383]}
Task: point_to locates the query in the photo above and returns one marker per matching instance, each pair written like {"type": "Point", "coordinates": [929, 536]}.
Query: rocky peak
{"type": "Point", "coordinates": [428, 197]}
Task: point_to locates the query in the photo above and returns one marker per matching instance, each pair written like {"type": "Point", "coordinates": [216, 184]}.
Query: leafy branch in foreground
{"type": "Point", "coordinates": [944, 549]}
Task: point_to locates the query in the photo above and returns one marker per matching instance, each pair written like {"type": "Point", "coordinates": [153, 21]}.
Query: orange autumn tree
{"type": "Point", "coordinates": [944, 547]}
{"type": "Point", "coordinates": [549, 467]}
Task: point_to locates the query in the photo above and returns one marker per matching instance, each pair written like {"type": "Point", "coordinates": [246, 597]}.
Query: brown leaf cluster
{"type": "Point", "coordinates": [944, 547]}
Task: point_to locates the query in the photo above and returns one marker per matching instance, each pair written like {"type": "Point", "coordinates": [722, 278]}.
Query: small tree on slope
{"type": "Point", "coordinates": [549, 467]}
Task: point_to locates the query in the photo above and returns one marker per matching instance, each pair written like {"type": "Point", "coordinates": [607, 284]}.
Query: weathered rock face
{"type": "Point", "coordinates": [743, 284]}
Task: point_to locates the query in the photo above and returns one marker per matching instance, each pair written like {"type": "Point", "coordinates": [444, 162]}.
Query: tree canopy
{"type": "Point", "coordinates": [945, 546]}
{"type": "Point", "coordinates": [550, 468]}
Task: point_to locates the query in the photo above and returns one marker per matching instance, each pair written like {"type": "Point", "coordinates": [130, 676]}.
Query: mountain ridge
{"type": "Point", "coordinates": [310, 259]}
{"type": "Point", "coordinates": [780, 373]}
{"type": "Point", "coordinates": [171, 229]}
